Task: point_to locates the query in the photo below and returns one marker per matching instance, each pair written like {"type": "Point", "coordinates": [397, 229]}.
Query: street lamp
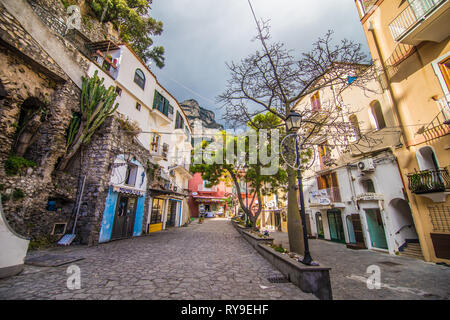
{"type": "Point", "coordinates": [247, 223]}
{"type": "Point", "coordinates": [293, 121]}
{"type": "Point", "coordinates": [293, 124]}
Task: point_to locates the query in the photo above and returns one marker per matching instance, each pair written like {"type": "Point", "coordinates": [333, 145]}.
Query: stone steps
{"type": "Point", "coordinates": [412, 250]}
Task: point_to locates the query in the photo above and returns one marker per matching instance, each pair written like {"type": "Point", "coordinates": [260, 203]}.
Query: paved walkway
{"type": "Point", "coordinates": [401, 277]}
{"type": "Point", "coordinates": [207, 261]}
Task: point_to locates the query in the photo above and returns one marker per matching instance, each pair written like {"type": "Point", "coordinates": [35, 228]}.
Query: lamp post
{"type": "Point", "coordinates": [247, 224]}
{"type": "Point", "coordinates": [293, 123]}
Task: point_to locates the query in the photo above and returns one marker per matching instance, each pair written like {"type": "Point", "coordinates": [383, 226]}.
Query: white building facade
{"type": "Point", "coordinates": [356, 195]}
{"type": "Point", "coordinates": [164, 132]}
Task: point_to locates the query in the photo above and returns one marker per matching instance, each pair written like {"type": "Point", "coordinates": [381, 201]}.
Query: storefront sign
{"type": "Point", "coordinates": [128, 190]}
{"type": "Point", "coordinates": [369, 196]}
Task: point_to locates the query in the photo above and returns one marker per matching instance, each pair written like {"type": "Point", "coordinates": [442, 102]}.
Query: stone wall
{"type": "Point", "coordinates": [96, 163]}
{"type": "Point", "coordinates": [28, 215]}
{"type": "Point", "coordinates": [28, 72]}
{"type": "Point", "coordinates": [54, 14]}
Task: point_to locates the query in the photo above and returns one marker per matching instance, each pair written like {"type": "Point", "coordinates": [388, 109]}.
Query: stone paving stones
{"type": "Point", "coordinates": [201, 261]}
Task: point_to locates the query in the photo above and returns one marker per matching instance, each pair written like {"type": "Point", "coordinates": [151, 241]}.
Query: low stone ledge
{"type": "Point", "coordinates": [254, 240]}
{"type": "Point", "coordinates": [310, 279]}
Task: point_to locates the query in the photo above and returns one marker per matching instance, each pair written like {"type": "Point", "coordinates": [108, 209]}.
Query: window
{"type": "Point", "coordinates": [155, 143]}
{"type": "Point", "coordinates": [139, 78]}
{"type": "Point", "coordinates": [324, 154]}
{"type": "Point", "coordinates": [130, 178]}
{"type": "Point", "coordinates": [138, 106]}
{"type": "Point", "coordinates": [444, 66]}
{"type": "Point", "coordinates": [118, 91]}
{"type": "Point", "coordinates": [179, 122]}
{"type": "Point", "coordinates": [377, 114]}
{"type": "Point", "coordinates": [368, 186]}
{"type": "Point", "coordinates": [355, 125]}
{"type": "Point", "coordinates": [315, 102]}
{"type": "Point", "coordinates": [157, 209]}
{"type": "Point", "coordinates": [426, 158]}
{"type": "Point", "coordinates": [162, 105]}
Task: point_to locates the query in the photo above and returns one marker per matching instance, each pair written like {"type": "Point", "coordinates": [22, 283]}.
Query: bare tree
{"type": "Point", "coordinates": [273, 80]}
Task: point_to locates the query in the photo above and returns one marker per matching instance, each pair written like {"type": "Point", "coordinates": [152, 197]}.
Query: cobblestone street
{"type": "Point", "coordinates": [401, 277]}
{"type": "Point", "coordinates": [207, 261]}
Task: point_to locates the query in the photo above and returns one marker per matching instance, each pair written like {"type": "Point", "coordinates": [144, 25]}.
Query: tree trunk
{"type": "Point", "coordinates": [295, 231]}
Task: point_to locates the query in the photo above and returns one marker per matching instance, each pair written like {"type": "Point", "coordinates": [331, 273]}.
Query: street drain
{"type": "Point", "coordinates": [389, 263]}
{"type": "Point", "coordinates": [278, 279]}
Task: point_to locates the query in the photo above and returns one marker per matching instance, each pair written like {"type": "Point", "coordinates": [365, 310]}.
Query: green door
{"type": "Point", "coordinates": [335, 225]}
{"type": "Point", "coordinates": [319, 225]}
{"type": "Point", "coordinates": [376, 229]}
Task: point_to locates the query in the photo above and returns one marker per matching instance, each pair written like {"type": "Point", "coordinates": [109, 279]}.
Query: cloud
{"type": "Point", "coordinates": [200, 36]}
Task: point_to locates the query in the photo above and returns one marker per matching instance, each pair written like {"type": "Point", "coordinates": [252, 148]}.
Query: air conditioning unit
{"type": "Point", "coordinates": [366, 165]}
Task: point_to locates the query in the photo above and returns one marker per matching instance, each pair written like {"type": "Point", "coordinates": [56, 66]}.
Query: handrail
{"type": "Point", "coordinates": [407, 225]}
{"type": "Point", "coordinates": [428, 181]}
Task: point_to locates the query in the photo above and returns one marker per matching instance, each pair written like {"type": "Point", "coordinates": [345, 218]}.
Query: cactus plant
{"type": "Point", "coordinates": [97, 104]}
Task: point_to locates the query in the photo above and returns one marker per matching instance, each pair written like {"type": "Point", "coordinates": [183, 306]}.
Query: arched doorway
{"type": "Point", "coordinates": [319, 225]}
{"type": "Point", "coordinates": [405, 230]}
{"type": "Point", "coordinates": [28, 124]}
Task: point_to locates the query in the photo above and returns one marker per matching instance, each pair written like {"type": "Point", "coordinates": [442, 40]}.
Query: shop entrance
{"type": "Point", "coordinates": [124, 217]}
{"type": "Point", "coordinates": [376, 229]}
{"type": "Point", "coordinates": [172, 213]}
{"type": "Point", "coordinates": [336, 226]}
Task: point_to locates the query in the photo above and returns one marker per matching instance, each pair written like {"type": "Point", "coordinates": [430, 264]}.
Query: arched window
{"type": "Point", "coordinates": [355, 125]}
{"type": "Point", "coordinates": [377, 114]}
{"type": "Point", "coordinates": [426, 159]}
{"type": "Point", "coordinates": [368, 186]}
{"type": "Point", "coordinates": [139, 78]}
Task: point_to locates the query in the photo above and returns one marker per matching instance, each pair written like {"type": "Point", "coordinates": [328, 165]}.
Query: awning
{"type": "Point", "coordinates": [208, 199]}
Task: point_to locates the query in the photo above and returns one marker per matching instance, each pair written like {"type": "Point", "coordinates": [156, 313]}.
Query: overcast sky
{"type": "Point", "coordinates": [200, 36]}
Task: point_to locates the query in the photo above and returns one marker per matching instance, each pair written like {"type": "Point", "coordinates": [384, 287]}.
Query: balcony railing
{"type": "Point", "coordinates": [323, 196]}
{"type": "Point", "coordinates": [408, 18]}
{"type": "Point", "coordinates": [429, 181]}
{"type": "Point", "coordinates": [202, 188]}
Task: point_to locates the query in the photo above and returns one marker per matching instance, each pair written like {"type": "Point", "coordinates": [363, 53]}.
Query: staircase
{"type": "Point", "coordinates": [412, 250]}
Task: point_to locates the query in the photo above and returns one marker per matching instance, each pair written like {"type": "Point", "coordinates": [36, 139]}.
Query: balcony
{"type": "Point", "coordinates": [422, 20]}
{"type": "Point", "coordinates": [158, 152]}
{"type": "Point", "coordinates": [202, 188]}
{"type": "Point", "coordinates": [430, 182]}
{"type": "Point", "coordinates": [325, 197]}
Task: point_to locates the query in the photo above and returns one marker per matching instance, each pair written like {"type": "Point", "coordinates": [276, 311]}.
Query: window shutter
{"type": "Point", "coordinates": [166, 107]}
{"type": "Point", "coordinates": [177, 120]}
{"type": "Point", "coordinates": [155, 99]}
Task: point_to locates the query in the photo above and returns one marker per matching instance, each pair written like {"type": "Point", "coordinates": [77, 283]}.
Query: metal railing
{"type": "Point", "coordinates": [414, 13]}
{"type": "Point", "coordinates": [429, 181]}
{"type": "Point", "coordinates": [333, 194]}
{"type": "Point", "coordinates": [202, 188]}
{"type": "Point", "coordinates": [440, 123]}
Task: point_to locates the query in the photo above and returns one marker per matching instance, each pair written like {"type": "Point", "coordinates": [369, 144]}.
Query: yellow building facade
{"type": "Point", "coordinates": [409, 42]}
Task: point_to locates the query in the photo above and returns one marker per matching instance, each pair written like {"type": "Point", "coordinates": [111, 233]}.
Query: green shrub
{"type": "Point", "coordinates": [15, 164]}
{"type": "Point", "coordinates": [18, 194]}
{"type": "Point", "coordinates": [40, 243]}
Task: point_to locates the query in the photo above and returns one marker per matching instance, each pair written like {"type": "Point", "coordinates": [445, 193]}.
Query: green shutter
{"type": "Point", "coordinates": [155, 99]}
{"type": "Point", "coordinates": [177, 120]}
{"type": "Point", "coordinates": [166, 107]}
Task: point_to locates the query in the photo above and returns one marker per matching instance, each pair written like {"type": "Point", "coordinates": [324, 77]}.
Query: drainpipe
{"type": "Point", "coordinates": [389, 85]}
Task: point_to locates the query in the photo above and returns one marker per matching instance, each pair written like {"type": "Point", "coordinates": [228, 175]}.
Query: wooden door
{"type": "Point", "coordinates": [124, 217]}
{"type": "Point", "coordinates": [357, 229]}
